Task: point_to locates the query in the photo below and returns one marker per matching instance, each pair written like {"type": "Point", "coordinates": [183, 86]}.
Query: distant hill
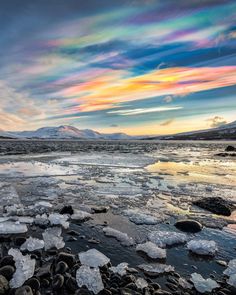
{"type": "Point", "coordinates": [63, 132]}
{"type": "Point", "coordinates": [227, 131]}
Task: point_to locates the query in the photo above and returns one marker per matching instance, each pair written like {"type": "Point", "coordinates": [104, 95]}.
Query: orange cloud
{"type": "Point", "coordinates": [110, 90]}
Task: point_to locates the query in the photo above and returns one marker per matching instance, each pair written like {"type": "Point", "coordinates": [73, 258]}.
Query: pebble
{"type": "Point", "coordinates": [34, 283]}
{"type": "Point", "coordinates": [4, 286]}
{"type": "Point", "coordinates": [57, 282]}
{"type": "Point", "coordinates": [67, 210]}
{"type": "Point", "coordinates": [24, 290]}
{"type": "Point", "coordinates": [7, 271]}
{"type": "Point", "coordinates": [68, 258]}
{"type": "Point", "coordinates": [7, 260]}
{"type": "Point", "coordinates": [189, 225]}
{"type": "Point", "coordinates": [61, 267]}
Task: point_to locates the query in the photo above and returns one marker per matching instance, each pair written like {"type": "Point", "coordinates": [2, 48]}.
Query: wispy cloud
{"type": "Point", "coordinates": [216, 121]}
{"type": "Point", "coordinates": [144, 111]}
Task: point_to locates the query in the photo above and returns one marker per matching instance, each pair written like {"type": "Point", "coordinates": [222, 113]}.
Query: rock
{"type": "Point", "coordinates": [24, 290]}
{"type": "Point", "coordinates": [57, 282]}
{"type": "Point", "coordinates": [7, 260]}
{"type": "Point", "coordinates": [230, 148]}
{"type": "Point", "coordinates": [19, 241]}
{"type": "Point", "coordinates": [68, 258]}
{"type": "Point", "coordinates": [71, 284]}
{"type": "Point", "coordinates": [61, 267]}
{"type": "Point", "coordinates": [7, 271]}
{"type": "Point", "coordinates": [216, 205]}
{"type": "Point", "coordinates": [67, 210]}
{"type": "Point", "coordinates": [98, 209]}
{"type": "Point", "coordinates": [44, 271]}
{"type": "Point", "coordinates": [4, 286]}
{"type": "Point", "coordinates": [73, 233]}
{"type": "Point", "coordinates": [34, 284]}
{"type": "Point", "coordinates": [188, 225]}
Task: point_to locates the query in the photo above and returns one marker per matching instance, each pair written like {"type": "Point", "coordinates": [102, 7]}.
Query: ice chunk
{"type": "Point", "coordinates": [41, 220]}
{"type": "Point", "coordinates": [25, 267]}
{"type": "Point", "coordinates": [42, 207]}
{"type": "Point", "coordinates": [32, 244]}
{"type": "Point", "coordinates": [93, 258]}
{"type": "Point", "coordinates": [123, 238]}
{"type": "Point", "coordinates": [152, 250]}
{"type": "Point", "coordinates": [141, 283]}
{"type": "Point", "coordinates": [81, 215]}
{"type": "Point", "coordinates": [15, 209]}
{"type": "Point", "coordinates": [9, 227]}
{"type": "Point", "coordinates": [232, 280]}
{"type": "Point", "coordinates": [203, 285]}
{"type": "Point", "coordinates": [59, 219]}
{"type": "Point", "coordinates": [202, 247]}
{"type": "Point", "coordinates": [52, 238]}
{"type": "Point", "coordinates": [231, 269]}
{"type": "Point", "coordinates": [156, 268]}
{"type": "Point", "coordinates": [89, 277]}
{"type": "Point", "coordinates": [184, 284]}
{"type": "Point", "coordinates": [121, 268]}
{"type": "Point", "coordinates": [140, 218]}
{"type": "Point", "coordinates": [25, 219]}
{"type": "Point", "coordinates": [166, 238]}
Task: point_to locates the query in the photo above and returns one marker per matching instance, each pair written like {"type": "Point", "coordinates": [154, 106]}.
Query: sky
{"type": "Point", "coordinates": [133, 66]}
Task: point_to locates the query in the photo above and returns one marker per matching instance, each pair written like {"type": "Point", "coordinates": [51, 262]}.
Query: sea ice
{"type": "Point", "coordinates": [152, 250]}
{"type": "Point", "coordinates": [52, 238]}
{"type": "Point", "coordinates": [166, 238]}
{"type": "Point", "coordinates": [15, 209]}
{"type": "Point", "coordinates": [202, 247]}
{"type": "Point", "coordinates": [140, 218]}
{"type": "Point", "coordinates": [121, 268]}
{"type": "Point", "coordinates": [9, 227]}
{"type": "Point", "coordinates": [89, 277]}
{"type": "Point", "coordinates": [25, 267]}
{"type": "Point", "coordinates": [123, 238]}
{"type": "Point", "coordinates": [81, 215]}
{"type": "Point", "coordinates": [231, 269]}
{"type": "Point", "coordinates": [59, 219]}
{"type": "Point", "coordinates": [41, 220]}
{"type": "Point", "coordinates": [42, 207]}
{"type": "Point", "coordinates": [93, 258]}
{"type": "Point", "coordinates": [156, 268]}
{"type": "Point", "coordinates": [203, 285]}
{"type": "Point", "coordinates": [141, 283]}
{"type": "Point", "coordinates": [232, 280]}
{"type": "Point", "coordinates": [32, 244]}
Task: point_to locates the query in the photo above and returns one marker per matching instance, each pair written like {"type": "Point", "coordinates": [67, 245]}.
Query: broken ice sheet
{"type": "Point", "coordinates": [25, 267]}
{"type": "Point", "coordinates": [202, 285]}
{"type": "Point", "coordinates": [231, 269]}
{"type": "Point", "coordinates": [166, 238]}
{"type": "Point", "coordinates": [89, 277]}
{"type": "Point", "coordinates": [58, 219]}
{"type": "Point", "coordinates": [157, 268]}
{"type": "Point", "coordinates": [9, 227]}
{"type": "Point", "coordinates": [32, 244]}
{"type": "Point", "coordinates": [232, 280]}
{"type": "Point", "coordinates": [52, 238]}
{"type": "Point", "coordinates": [141, 283]}
{"type": "Point", "coordinates": [81, 215]}
{"type": "Point", "coordinates": [140, 218]}
{"type": "Point", "coordinates": [202, 247]}
{"type": "Point", "coordinates": [93, 258]}
{"type": "Point", "coordinates": [152, 250]}
{"type": "Point", "coordinates": [123, 238]}
{"type": "Point", "coordinates": [121, 268]}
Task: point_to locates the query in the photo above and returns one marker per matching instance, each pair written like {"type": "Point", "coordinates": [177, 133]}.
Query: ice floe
{"type": "Point", "coordinates": [123, 238]}
{"type": "Point", "coordinates": [231, 269]}
{"type": "Point", "coordinates": [93, 258]}
{"type": "Point", "coordinates": [25, 267]}
{"type": "Point", "coordinates": [52, 238]}
{"type": "Point", "coordinates": [203, 285]}
{"type": "Point", "coordinates": [202, 247]}
{"type": "Point", "coordinates": [140, 218]}
{"type": "Point", "coordinates": [121, 268]}
{"type": "Point", "coordinates": [152, 250]}
{"type": "Point", "coordinates": [32, 244]}
{"type": "Point", "coordinates": [166, 238]}
{"type": "Point", "coordinates": [89, 277]}
{"type": "Point", "coordinates": [81, 215]}
{"type": "Point", "coordinates": [141, 283]}
{"type": "Point", "coordinates": [59, 219]}
{"type": "Point", "coordinates": [232, 280]}
{"type": "Point", "coordinates": [9, 227]}
{"type": "Point", "coordinates": [157, 268]}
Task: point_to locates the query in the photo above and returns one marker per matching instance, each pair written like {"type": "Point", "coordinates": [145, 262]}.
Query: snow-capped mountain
{"type": "Point", "coordinates": [226, 131]}
{"type": "Point", "coordinates": [64, 132]}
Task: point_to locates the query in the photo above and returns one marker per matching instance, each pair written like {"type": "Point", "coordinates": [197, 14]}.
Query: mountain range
{"type": "Point", "coordinates": [227, 131]}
